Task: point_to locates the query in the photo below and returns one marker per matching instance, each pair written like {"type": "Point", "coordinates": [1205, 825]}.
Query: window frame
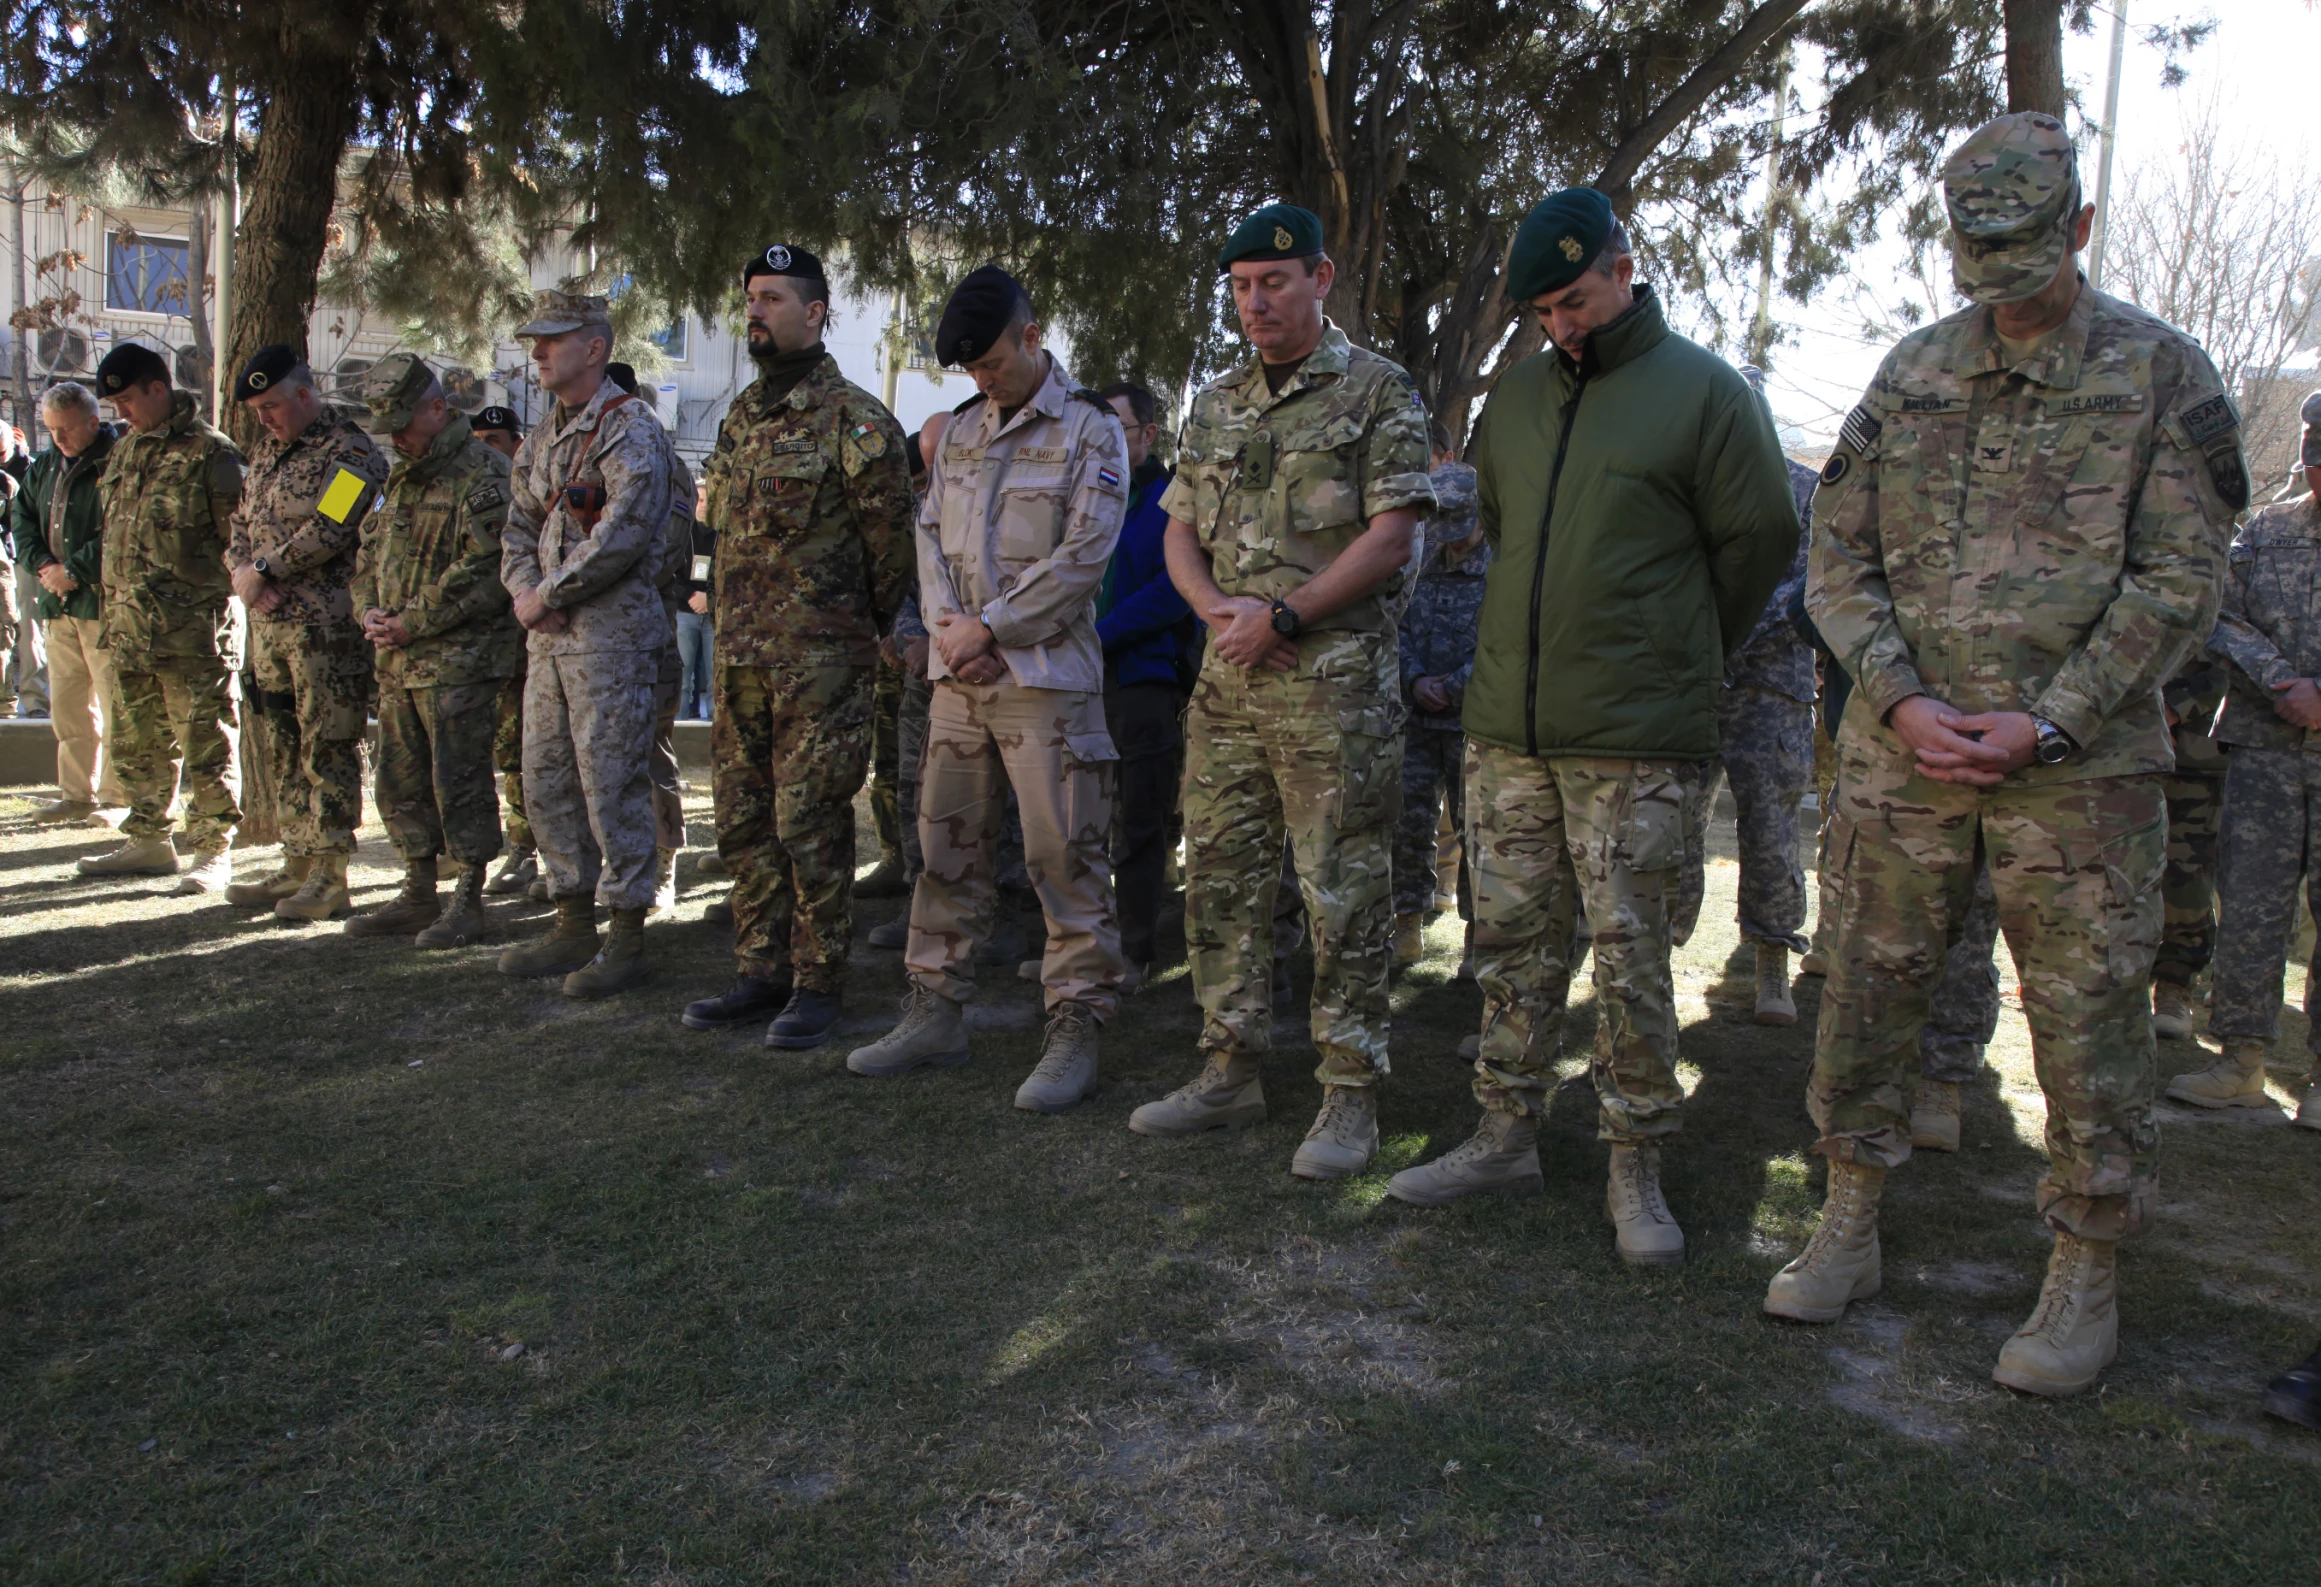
{"type": "Point", "coordinates": [112, 240]}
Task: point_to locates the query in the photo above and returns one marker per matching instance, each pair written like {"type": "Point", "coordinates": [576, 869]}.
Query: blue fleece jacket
{"type": "Point", "coordinates": [1140, 617]}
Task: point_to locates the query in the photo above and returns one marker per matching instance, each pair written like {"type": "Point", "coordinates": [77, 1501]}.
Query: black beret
{"type": "Point", "coordinates": [266, 366]}
{"type": "Point", "coordinates": [1563, 232]}
{"type": "Point", "coordinates": [1278, 231]}
{"type": "Point", "coordinates": [130, 364]}
{"type": "Point", "coordinates": [623, 376]}
{"type": "Point", "coordinates": [782, 260]}
{"type": "Point", "coordinates": [979, 310]}
{"type": "Point", "coordinates": [496, 417]}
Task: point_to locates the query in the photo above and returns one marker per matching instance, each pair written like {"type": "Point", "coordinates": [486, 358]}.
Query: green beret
{"type": "Point", "coordinates": [1556, 240]}
{"type": "Point", "coordinates": [1278, 231]}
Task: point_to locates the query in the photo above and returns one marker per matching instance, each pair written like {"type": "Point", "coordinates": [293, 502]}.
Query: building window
{"type": "Point", "coordinates": [920, 355]}
{"type": "Point", "coordinates": [671, 341]}
{"type": "Point", "coordinates": [147, 275]}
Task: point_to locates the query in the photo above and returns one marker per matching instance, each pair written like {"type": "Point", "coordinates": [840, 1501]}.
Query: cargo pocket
{"type": "Point", "coordinates": [1649, 832]}
{"type": "Point", "coordinates": [1090, 759]}
{"type": "Point", "coordinates": [1369, 767]}
{"type": "Point", "coordinates": [2134, 865]}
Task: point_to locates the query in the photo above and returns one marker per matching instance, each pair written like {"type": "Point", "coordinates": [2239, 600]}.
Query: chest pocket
{"type": "Point", "coordinates": [781, 489]}
{"type": "Point", "coordinates": [1034, 492]}
{"type": "Point", "coordinates": [1319, 473]}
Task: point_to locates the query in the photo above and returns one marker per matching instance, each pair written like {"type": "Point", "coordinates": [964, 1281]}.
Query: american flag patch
{"type": "Point", "coordinates": [1108, 479]}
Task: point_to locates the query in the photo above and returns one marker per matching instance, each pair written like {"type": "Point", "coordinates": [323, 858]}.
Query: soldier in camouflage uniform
{"type": "Point", "coordinates": [1294, 519]}
{"type": "Point", "coordinates": [2195, 814]}
{"type": "Point", "coordinates": [427, 591]}
{"type": "Point", "coordinates": [2016, 543]}
{"type": "Point", "coordinates": [810, 496]}
{"type": "Point", "coordinates": [2269, 636]}
{"type": "Point", "coordinates": [581, 555]}
{"type": "Point", "coordinates": [313, 477]}
{"type": "Point", "coordinates": [500, 429]}
{"type": "Point", "coordinates": [1437, 642]}
{"type": "Point", "coordinates": [169, 491]}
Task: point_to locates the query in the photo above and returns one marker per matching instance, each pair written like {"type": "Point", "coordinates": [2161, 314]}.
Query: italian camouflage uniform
{"type": "Point", "coordinates": [171, 625]}
{"type": "Point", "coordinates": [809, 491]}
{"type": "Point", "coordinates": [676, 558]}
{"type": "Point", "coordinates": [2039, 534]}
{"type": "Point", "coordinates": [1276, 485]}
{"type": "Point", "coordinates": [2195, 791]}
{"type": "Point", "coordinates": [2270, 633]}
{"type": "Point", "coordinates": [431, 556]}
{"type": "Point", "coordinates": [1437, 639]}
{"type": "Point", "coordinates": [589, 687]}
{"type": "Point", "coordinates": [301, 515]}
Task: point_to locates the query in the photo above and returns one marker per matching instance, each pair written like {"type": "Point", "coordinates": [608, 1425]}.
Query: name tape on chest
{"type": "Point", "coordinates": [791, 447]}
{"type": "Point", "coordinates": [1932, 405]}
{"type": "Point", "coordinates": [342, 495]}
{"type": "Point", "coordinates": [1042, 456]}
{"type": "Point", "coordinates": [2095, 402]}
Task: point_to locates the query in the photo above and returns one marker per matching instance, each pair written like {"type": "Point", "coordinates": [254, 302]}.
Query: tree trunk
{"type": "Point", "coordinates": [2035, 55]}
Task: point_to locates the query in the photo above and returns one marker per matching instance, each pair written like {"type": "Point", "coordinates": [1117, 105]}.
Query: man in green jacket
{"type": "Point", "coordinates": [59, 532]}
{"type": "Point", "coordinates": [1639, 509]}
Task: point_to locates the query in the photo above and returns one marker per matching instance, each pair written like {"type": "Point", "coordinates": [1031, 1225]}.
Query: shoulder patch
{"type": "Point", "coordinates": [2228, 473]}
{"type": "Point", "coordinates": [867, 440]}
{"type": "Point", "coordinates": [2204, 421]}
{"type": "Point", "coordinates": [1861, 429]}
{"type": "Point", "coordinates": [1839, 464]}
{"type": "Point", "coordinates": [340, 497]}
{"type": "Point", "coordinates": [485, 497]}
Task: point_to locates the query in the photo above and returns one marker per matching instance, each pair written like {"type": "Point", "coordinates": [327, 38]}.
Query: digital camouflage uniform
{"type": "Point", "coordinates": [172, 627]}
{"type": "Point", "coordinates": [2037, 534]}
{"type": "Point", "coordinates": [1437, 639]}
{"type": "Point", "coordinates": [2195, 791]}
{"type": "Point", "coordinates": [589, 688]}
{"type": "Point", "coordinates": [431, 556]}
{"type": "Point", "coordinates": [2269, 632]}
{"type": "Point", "coordinates": [1315, 752]}
{"type": "Point", "coordinates": [810, 494]}
{"type": "Point", "coordinates": [302, 512]}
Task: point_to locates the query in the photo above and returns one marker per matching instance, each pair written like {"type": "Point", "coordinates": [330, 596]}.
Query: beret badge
{"type": "Point", "coordinates": [778, 257]}
{"type": "Point", "coordinates": [1281, 237]}
{"type": "Point", "coordinates": [257, 380]}
{"type": "Point", "coordinates": [1571, 249]}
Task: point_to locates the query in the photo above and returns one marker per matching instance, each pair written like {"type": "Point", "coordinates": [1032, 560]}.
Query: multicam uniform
{"type": "Point", "coordinates": [810, 495]}
{"type": "Point", "coordinates": [301, 515]}
{"type": "Point", "coordinates": [2195, 791]}
{"type": "Point", "coordinates": [1315, 752]}
{"type": "Point", "coordinates": [1437, 639]}
{"type": "Point", "coordinates": [171, 627]}
{"type": "Point", "coordinates": [431, 556]}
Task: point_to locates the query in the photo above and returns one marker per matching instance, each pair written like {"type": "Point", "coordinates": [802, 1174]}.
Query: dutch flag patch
{"type": "Point", "coordinates": [1108, 479]}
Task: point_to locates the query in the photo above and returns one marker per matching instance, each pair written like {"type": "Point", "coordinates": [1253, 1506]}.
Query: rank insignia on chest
{"type": "Point", "coordinates": [340, 498]}
{"type": "Point", "coordinates": [1994, 457]}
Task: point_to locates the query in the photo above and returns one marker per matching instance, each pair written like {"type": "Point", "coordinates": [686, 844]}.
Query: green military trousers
{"type": "Point", "coordinates": [433, 778]}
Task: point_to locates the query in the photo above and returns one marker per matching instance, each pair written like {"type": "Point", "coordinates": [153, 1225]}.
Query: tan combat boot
{"type": "Point", "coordinates": [2171, 1010]}
{"type": "Point", "coordinates": [1840, 1263]}
{"type": "Point", "coordinates": [664, 882]}
{"type": "Point", "coordinates": [2075, 1330]}
{"type": "Point", "coordinates": [211, 872]}
{"type": "Point", "coordinates": [1644, 1228]}
{"type": "Point", "coordinates": [569, 945]}
{"type": "Point", "coordinates": [1225, 1095]}
{"type": "Point", "coordinates": [1934, 1116]}
{"type": "Point", "coordinates": [63, 813]}
{"type": "Point", "coordinates": [1344, 1135]}
{"type": "Point", "coordinates": [269, 890]}
{"type": "Point", "coordinates": [2235, 1080]}
{"type": "Point", "coordinates": [1066, 1073]}
{"type": "Point", "coordinates": [1500, 1159]}
{"type": "Point", "coordinates": [404, 914]}
{"type": "Point", "coordinates": [931, 1031]}
{"type": "Point", "coordinates": [464, 922]}
{"type": "Point", "coordinates": [1409, 940]}
{"type": "Point", "coordinates": [619, 964]}
{"type": "Point", "coordinates": [322, 896]}
{"type": "Point", "coordinates": [137, 857]}
{"type": "Point", "coordinates": [518, 871]}
{"type": "Point", "coordinates": [1774, 1004]}
{"type": "Point", "coordinates": [711, 863]}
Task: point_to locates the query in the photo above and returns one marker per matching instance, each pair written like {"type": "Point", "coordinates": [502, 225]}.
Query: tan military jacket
{"type": "Point", "coordinates": [1347, 441]}
{"type": "Point", "coordinates": [2043, 536]}
{"type": "Point", "coordinates": [302, 513]}
{"type": "Point", "coordinates": [2269, 629]}
{"type": "Point", "coordinates": [810, 495]}
{"type": "Point", "coordinates": [168, 497]}
{"type": "Point", "coordinates": [431, 555]}
{"type": "Point", "coordinates": [1018, 524]}
{"type": "Point", "coordinates": [605, 578]}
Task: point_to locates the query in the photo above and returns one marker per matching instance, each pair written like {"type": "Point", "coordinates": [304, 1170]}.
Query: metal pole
{"type": "Point", "coordinates": [229, 207]}
{"type": "Point", "coordinates": [894, 350]}
{"type": "Point", "coordinates": [25, 418]}
{"type": "Point", "coordinates": [2111, 121]}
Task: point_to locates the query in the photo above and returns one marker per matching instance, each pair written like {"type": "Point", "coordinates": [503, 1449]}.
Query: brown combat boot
{"type": "Point", "coordinates": [1225, 1095]}
{"type": "Point", "coordinates": [322, 896]}
{"type": "Point", "coordinates": [1935, 1116]}
{"type": "Point", "coordinates": [569, 945]}
{"type": "Point", "coordinates": [464, 922]}
{"type": "Point", "coordinates": [2235, 1080]}
{"type": "Point", "coordinates": [932, 1031]}
{"type": "Point", "coordinates": [2074, 1332]}
{"type": "Point", "coordinates": [267, 891]}
{"type": "Point", "coordinates": [1840, 1263]}
{"type": "Point", "coordinates": [1775, 1006]}
{"type": "Point", "coordinates": [2171, 1010]}
{"type": "Point", "coordinates": [401, 916]}
{"type": "Point", "coordinates": [618, 965]}
{"type": "Point", "coordinates": [1643, 1227]}
{"type": "Point", "coordinates": [1500, 1159]}
{"type": "Point", "coordinates": [883, 880]}
{"type": "Point", "coordinates": [1409, 940]}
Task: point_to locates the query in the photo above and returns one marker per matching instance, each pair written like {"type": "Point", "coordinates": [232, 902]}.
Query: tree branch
{"type": "Point", "coordinates": [1619, 172]}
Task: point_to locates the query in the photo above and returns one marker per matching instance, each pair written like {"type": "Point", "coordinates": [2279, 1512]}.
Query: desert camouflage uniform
{"type": "Point", "coordinates": [171, 625]}
{"type": "Point", "coordinates": [310, 666]}
{"type": "Point", "coordinates": [2269, 632]}
{"type": "Point", "coordinates": [1018, 524]}
{"type": "Point", "coordinates": [2038, 535]}
{"type": "Point", "coordinates": [1437, 638]}
{"type": "Point", "coordinates": [2195, 817]}
{"type": "Point", "coordinates": [810, 495]}
{"type": "Point", "coordinates": [1315, 752]}
{"type": "Point", "coordinates": [589, 689]}
{"type": "Point", "coordinates": [431, 555]}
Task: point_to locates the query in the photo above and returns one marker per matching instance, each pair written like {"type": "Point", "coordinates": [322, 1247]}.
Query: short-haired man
{"type": "Point", "coordinates": [314, 476]}
{"type": "Point", "coordinates": [810, 496]}
{"type": "Point", "coordinates": [1023, 506]}
{"type": "Point", "coordinates": [581, 558]}
{"type": "Point", "coordinates": [1301, 478]}
{"type": "Point", "coordinates": [170, 626]}
{"type": "Point", "coordinates": [427, 591]}
{"type": "Point", "coordinates": [58, 527]}
{"type": "Point", "coordinates": [499, 428]}
{"type": "Point", "coordinates": [1635, 494]}
{"type": "Point", "coordinates": [2015, 542]}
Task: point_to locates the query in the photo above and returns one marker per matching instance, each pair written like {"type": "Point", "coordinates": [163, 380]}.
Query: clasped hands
{"type": "Point", "coordinates": [258, 592]}
{"type": "Point", "coordinates": [2296, 702]}
{"type": "Point", "coordinates": [537, 615]}
{"type": "Point", "coordinates": [1242, 626]}
{"type": "Point", "coordinates": [385, 629]}
{"type": "Point", "coordinates": [2002, 741]}
{"type": "Point", "coordinates": [55, 580]}
{"type": "Point", "coordinates": [968, 648]}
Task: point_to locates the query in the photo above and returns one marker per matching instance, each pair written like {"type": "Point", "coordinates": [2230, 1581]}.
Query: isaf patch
{"type": "Point", "coordinates": [345, 490]}
{"type": "Point", "coordinates": [2205, 421]}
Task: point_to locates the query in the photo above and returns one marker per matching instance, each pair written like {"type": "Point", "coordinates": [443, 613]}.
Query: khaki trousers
{"type": "Point", "coordinates": [80, 688]}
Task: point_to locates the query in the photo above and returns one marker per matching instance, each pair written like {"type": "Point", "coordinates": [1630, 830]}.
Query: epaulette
{"type": "Point", "coordinates": [1093, 400]}
{"type": "Point", "coordinates": [969, 403]}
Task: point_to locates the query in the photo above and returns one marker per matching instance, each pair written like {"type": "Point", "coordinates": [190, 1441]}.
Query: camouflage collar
{"type": "Point", "coordinates": [2055, 364]}
{"type": "Point", "coordinates": [449, 442]}
{"type": "Point", "coordinates": [1332, 356]}
{"type": "Point", "coordinates": [571, 421]}
{"type": "Point", "coordinates": [183, 415]}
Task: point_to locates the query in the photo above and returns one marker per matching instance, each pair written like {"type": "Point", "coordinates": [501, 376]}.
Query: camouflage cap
{"type": "Point", "coordinates": [2309, 443]}
{"type": "Point", "coordinates": [2012, 190]}
{"type": "Point", "coordinates": [393, 389]}
{"type": "Point", "coordinates": [554, 313]}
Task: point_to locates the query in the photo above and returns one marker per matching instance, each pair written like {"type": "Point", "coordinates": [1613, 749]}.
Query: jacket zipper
{"type": "Point", "coordinates": [1571, 415]}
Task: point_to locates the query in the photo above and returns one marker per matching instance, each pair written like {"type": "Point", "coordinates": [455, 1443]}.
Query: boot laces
{"type": "Point", "coordinates": [1211, 1078]}
{"type": "Point", "coordinates": [1837, 1215]}
{"type": "Point", "coordinates": [1060, 1045]}
{"type": "Point", "coordinates": [2059, 1296]}
{"type": "Point", "coordinates": [1642, 1188]}
{"type": "Point", "coordinates": [1341, 1113]}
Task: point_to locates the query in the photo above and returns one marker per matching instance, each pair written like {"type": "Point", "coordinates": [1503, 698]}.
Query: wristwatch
{"type": "Point", "coordinates": [1285, 620]}
{"type": "Point", "coordinates": [2054, 744]}
{"type": "Point", "coordinates": [259, 567]}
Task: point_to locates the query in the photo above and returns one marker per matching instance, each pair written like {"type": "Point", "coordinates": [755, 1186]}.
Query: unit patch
{"type": "Point", "coordinates": [867, 440]}
{"type": "Point", "coordinates": [486, 496]}
{"type": "Point", "coordinates": [2204, 421]}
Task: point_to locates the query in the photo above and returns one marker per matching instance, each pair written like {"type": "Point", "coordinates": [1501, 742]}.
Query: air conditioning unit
{"type": "Point", "coordinates": [346, 377]}
{"type": "Point", "coordinates": [62, 351]}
